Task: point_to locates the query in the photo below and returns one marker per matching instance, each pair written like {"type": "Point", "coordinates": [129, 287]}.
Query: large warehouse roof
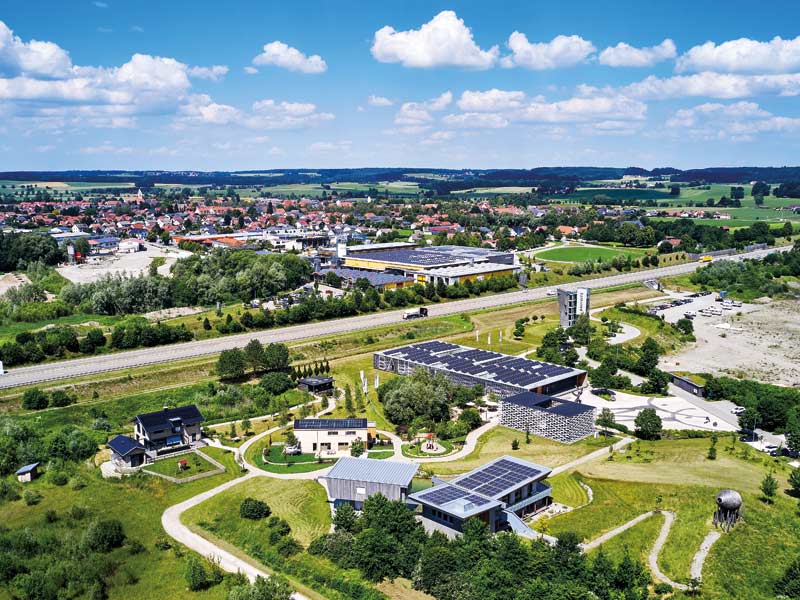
{"type": "Point", "coordinates": [373, 470]}
{"type": "Point", "coordinates": [482, 364]}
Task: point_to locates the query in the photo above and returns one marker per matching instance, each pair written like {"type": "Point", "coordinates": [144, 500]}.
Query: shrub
{"type": "Point", "coordinates": [34, 399]}
{"type": "Point", "coordinates": [8, 491]}
{"type": "Point", "coordinates": [31, 497]}
{"type": "Point", "coordinates": [163, 544]}
{"type": "Point", "coordinates": [102, 536]}
{"type": "Point", "coordinates": [250, 508]}
{"type": "Point", "coordinates": [57, 478]}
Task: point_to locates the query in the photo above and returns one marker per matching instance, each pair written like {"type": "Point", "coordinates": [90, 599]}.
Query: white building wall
{"type": "Point", "coordinates": [329, 442]}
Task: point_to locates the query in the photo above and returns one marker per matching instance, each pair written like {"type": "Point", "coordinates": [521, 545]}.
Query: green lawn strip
{"type": "Point", "coordinates": [649, 326]}
{"type": "Point", "coordinates": [497, 442]}
{"type": "Point", "coordinates": [83, 322]}
{"type": "Point", "coordinates": [637, 541]}
{"type": "Point", "coordinates": [413, 450]}
{"type": "Point", "coordinates": [381, 454]}
{"type": "Point", "coordinates": [567, 490]}
{"type": "Point", "coordinates": [138, 503]}
{"type": "Point", "coordinates": [170, 466]}
{"type": "Point", "coordinates": [587, 253]}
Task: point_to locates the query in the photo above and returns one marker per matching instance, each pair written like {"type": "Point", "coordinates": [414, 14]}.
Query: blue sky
{"type": "Point", "coordinates": [248, 85]}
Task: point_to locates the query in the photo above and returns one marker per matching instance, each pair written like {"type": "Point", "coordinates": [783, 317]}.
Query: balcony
{"type": "Point", "coordinates": [540, 491]}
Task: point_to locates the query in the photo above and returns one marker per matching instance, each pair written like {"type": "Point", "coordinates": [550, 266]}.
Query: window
{"type": "Point", "coordinates": [361, 490]}
{"type": "Point", "coordinates": [333, 433]}
{"type": "Point", "coordinates": [350, 432]}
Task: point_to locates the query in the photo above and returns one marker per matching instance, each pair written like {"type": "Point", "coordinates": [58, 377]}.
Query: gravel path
{"type": "Point", "coordinates": [702, 553]}
{"type": "Point", "coordinates": [652, 559]}
{"type": "Point", "coordinates": [616, 531]}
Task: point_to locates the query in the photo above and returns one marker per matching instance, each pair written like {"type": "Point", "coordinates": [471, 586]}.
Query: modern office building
{"type": "Point", "coordinates": [499, 493]}
{"type": "Point", "coordinates": [545, 416]}
{"type": "Point", "coordinates": [498, 373]}
{"type": "Point", "coordinates": [353, 480]}
{"type": "Point", "coordinates": [332, 437]}
{"type": "Point", "coordinates": [572, 304]}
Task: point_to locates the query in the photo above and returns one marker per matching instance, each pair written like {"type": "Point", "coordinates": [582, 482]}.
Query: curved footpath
{"type": "Point", "coordinates": [148, 356]}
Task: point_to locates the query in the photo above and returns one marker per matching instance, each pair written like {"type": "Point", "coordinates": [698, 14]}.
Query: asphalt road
{"type": "Point", "coordinates": [137, 358]}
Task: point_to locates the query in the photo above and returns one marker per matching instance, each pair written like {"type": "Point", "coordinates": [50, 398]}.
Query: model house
{"type": "Point", "coordinates": [353, 480]}
{"type": "Point", "coordinates": [499, 493]}
{"type": "Point", "coordinates": [316, 384]}
{"type": "Point", "coordinates": [168, 428]}
{"type": "Point", "coordinates": [332, 437]}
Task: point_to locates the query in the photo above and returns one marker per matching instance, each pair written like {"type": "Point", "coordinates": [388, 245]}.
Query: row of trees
{"type": "Point", "coordinates": [386, 541]}
{"type": "Point", "coordinates": [253, 358]}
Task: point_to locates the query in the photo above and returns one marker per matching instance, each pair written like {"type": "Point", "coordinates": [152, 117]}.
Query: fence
{"type": "Point", "coordinates": [220, 468]}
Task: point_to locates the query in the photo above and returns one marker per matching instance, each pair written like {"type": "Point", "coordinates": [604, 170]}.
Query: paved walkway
{"type": "Point", "coordinates": [469, 443]}
{"type": "Point", "coordinates": [591, 456]}
{"type": "Point", "coordinates": [652, 558]}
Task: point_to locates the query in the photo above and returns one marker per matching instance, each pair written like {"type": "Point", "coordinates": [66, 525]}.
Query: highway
{"type": "Point", "coordinates": [137, 358]}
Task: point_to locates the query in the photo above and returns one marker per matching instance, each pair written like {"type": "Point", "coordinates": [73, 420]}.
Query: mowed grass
{"type": "Point", "coordinates": [497, 442]}
{"type": "Point", "coordinates": [302, 503]}
{"type": "Point", "coordinates": [195, 465]}
{"type": "Point", "coordinates": [586, 253]}
{"type": "Point", "coordinates": [679, 473]}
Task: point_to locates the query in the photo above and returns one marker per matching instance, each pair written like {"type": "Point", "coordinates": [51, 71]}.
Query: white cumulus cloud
{"type": "Point", "coordinates": [714, 85]}
{"type": "Point", "coordinates": [624, 55]}
{"type": "Point", "coordinates": [476, 120]}
{"type": "Point", "coordinates": [278, 54]}
{"type": "Point", "coordinates": [490, 100]}
{"type": "Point", "coordinates": [418, 114]}
{"type": "Point", "coordinates": [342, 146]}
{"type": "Point", "coordinates": [444, 41]}
{"type": "Point", "coordinates": [584, 109]}
{"type": "Point", "coordinates": [214, 72]}
{"type": "Point", "coordinates": [31, 59]}
{"type": "Point", "coordinates": [743, 56]}
{"type": "Point", "coordinates": [379, 101]}
{"type": "Point", "coordinates": [738, 121]}
{"type": "Point", "coordinates": [561, 51]}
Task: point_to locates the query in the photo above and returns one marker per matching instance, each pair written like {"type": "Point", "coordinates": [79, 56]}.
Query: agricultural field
{"type": "Point", "coordinates": [676, 475]}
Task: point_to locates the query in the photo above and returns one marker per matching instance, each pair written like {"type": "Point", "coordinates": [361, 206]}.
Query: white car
{"type": "Point", "coordinates": [552, 292]}
{"type": "Point", "coordinates": [737, 410]}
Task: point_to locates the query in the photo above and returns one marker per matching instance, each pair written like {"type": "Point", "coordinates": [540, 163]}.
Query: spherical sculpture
{"type": "Point", "coordinates": [729, 509]}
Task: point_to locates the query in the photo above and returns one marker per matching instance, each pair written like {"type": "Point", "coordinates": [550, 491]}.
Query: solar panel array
{"type": "Point", "coordinates": [495, 478]}
{"type": "Point", "coordinates": [443, 494]}
{"type": "Point", "coordinates": [493, 366]}
{"type": "Point", "coordinates": [330, 423]}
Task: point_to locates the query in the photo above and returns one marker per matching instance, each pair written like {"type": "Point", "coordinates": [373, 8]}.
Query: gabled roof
{"type": "Point", "coordinates": [123, 445]}
{"type": "Point", "coordinates": [373, 470]}
{"type": "Point", "coordinates": [189, 415]}
{"type": "Point", "coordinates": [27, 469]}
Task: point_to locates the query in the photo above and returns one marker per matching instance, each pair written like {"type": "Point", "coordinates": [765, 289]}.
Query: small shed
{"type": "Point", "coordinates": [353, 480]}
{"type": "Point", "coordinates": [28, 472]}
{"type": "Point", "coordinates": [316, 385]}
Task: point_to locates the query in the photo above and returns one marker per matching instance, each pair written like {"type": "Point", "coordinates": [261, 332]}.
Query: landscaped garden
{"type": "Point", "coordinates": [180, 467]}
{"type": "Point", "coordinates": [278, 462]}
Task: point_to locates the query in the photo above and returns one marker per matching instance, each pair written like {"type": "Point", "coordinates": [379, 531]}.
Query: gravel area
{"type": "Point", "coordinates": [754, 341]}
{"type": "Point", "coordinates": [134, 264]}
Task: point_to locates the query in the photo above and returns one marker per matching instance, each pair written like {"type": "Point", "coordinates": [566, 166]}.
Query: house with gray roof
{"type": "Point", "coordinates": [353, 480]}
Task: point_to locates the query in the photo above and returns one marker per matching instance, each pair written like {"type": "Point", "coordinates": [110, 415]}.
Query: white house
{"type": "Point", "coordinates": [332, 437]}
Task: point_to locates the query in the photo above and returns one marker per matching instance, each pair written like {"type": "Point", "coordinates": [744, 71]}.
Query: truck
{"type": "Point", "coordinates": [705, 259]}
{"type": "Point", "coordinates": [415, 313]}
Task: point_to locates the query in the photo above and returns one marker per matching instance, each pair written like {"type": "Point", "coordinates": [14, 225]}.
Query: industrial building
{"type": "Point", "coordinates": [332, 437]}
{"type": "Point", "coordinates": [380, 281]}
{"type": "Point", "coordinates": [572, 304]}
{"type": "Point", "coordinates": [449, 264]}
{"type": "Point", "coordinates": [353, 480]}
{"type": "Point", "coordinates": [548, 417]}
{"type": "Point", "coordinates": [499, 493]}
{"type": "Point", "coordinates": [498, 373]}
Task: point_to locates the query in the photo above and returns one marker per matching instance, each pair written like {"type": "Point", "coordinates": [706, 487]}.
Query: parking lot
{"type": "Point", "coordinates": [134, 263]}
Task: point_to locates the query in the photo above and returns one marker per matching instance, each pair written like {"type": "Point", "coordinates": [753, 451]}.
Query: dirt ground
{"type": "Point", "coordinates": [134, 263]}
{"type": "Point", "coordinates": [9, 281]}
{"type": "Point", "coordinates": [756, 341]}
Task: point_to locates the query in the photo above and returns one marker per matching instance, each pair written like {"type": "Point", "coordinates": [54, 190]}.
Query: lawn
{"type": "Point", "coordinates": [497, 442]}
{"type": "Point", "coordinates": [138, 503]}
{"type": "Point", "coordinates": [169, 466]}
{"type": "Point", "coordinates": [587, 253]}
{"type": "Point", "coordinates": [303, 503]}
{"type": "Point", "coordinates": [380, 454]}
{"type": "Point", "coordinates": [291, 464]}
{"type": "Point", "coordinates": [687, 482]}
{"type": "Point", "coordinates": [649, 326]}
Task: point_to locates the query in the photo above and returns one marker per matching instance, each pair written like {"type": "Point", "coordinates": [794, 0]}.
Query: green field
{"type": "Point", "coordinates": [679, 473]}
{"type": "Point", "coordinates": [586, 253]}
{"type": "Point", "coordinates": [196, 465]}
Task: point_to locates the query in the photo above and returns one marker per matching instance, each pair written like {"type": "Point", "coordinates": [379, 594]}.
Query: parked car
{"type": "Point", "coordinates": [552, 292]}
{"type": "Point", "coordinates": [737, 410]}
